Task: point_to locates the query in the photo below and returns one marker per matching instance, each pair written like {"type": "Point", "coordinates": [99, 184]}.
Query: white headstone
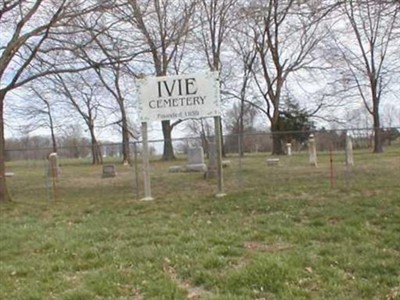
{"type": "Point", "coordinates": [53, 173]}
{"type": "Point", "coordinates": [195, 161]}
{"type": "Point", "coordinates": [289, 149]}
{"type": "Point", "coordinates": [312, 149]}
{"type": "Point", "coordinates": [109, 171]}
{"type": "Point", "coordinates": [53, 165]}
{"type": "Point", "coordinates": [175, 169]}
{"type": "Point", "coordinates": [272, 161]}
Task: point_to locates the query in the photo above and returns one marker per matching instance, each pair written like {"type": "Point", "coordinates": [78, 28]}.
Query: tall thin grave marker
{"type": "Point", "coordinates": [312, 150]}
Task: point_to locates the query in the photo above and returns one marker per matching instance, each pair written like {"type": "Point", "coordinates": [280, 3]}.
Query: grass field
{"type": "Point", "coordinates": [281, 232]}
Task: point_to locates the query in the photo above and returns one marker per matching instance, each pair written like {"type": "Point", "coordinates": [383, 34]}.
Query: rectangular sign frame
{"type": "Point", "coordinates": [179, 97]}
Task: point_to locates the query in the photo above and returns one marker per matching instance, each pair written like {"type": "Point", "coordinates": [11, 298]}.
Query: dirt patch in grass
{"type": "Point", "coordinates": [266, 247]}
{"type": "Point", "coordinates": [334, 220]}
{"type": "Point", "coordinates": [193, 292]}
{"type": "Point", "coordinates": [394, 294]}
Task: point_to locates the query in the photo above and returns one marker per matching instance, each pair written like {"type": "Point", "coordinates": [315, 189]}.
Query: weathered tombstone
{"type": "Point", "coordinates": [175, 169]}
{"type": "Point", "coordinates": [312, 150]}
{"type": "Point", "coordinates": [195, 161]}
{"type": "Point", "coordinates": [212, 161]}
{"type": "Point", "coordinates": [226, 163]}
{"type": "Point", "coordinates": [109, 171]}
{"type": "Point", "coordinates": [105, 151]}
{"type": "Point", "coordinates": [272, 161]}
{"type": "Point", "coordinates": [349, 152]}
{"type": "Point", "coordinates": [53, 165]}
{"type": "Point", "coordinates": [289, 149]}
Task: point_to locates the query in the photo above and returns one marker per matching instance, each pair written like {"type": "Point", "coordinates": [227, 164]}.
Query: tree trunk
{"type": "Point", "coordinates": [378, 148]}
{"type": "Point", "coordinates": [51, 123]}
{"type": "Point", "coordinates": [241, 129]}
{"type": "Point", "coordinates": [168, 153]}
{"type": "Point", "coordinates": [277, 145]}
{"type": "Point", "coordinates": [97, 158]}
{"type": "Point", "coordinates": [126, 158]}
{"type": "Point", "coordinates": [277, 148]}
{"type": "Point", "coordinates": [53, 136]}
{"type": "Point", "coordinates": [223, 151]}
{"type": "Point", "coordinates": [4, 195]}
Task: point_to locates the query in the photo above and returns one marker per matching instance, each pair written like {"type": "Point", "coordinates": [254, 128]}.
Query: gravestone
{"type": "Point", "coordinates": [52, 170]}
{"type": "Point", "coordinates": [212, 161]}
{"type": "Point", "coordinates": [195, 161]}
{"type": "Point", "coordinates": [175, 169]}
{"type": "Point", "coordinates": [226, 163]}
{"type": "Point", "coordinates": [312, 150]}
{"type": "Point", "coordinates": [109, 171]}
{"type": "Point", "coordinates": [289, 149]}
{"type": "Point", "coordinates": [349, 152]}
{"type": "Point", "coordinates": [272, 161]}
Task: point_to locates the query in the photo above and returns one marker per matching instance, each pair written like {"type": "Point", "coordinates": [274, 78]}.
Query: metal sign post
{"type": "Point", "coordinates": [146, 165]}
{"type": "Point", "coordinates": [220, 193]}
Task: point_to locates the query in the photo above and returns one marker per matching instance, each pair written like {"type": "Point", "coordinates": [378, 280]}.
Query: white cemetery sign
{"type": "Point", "coordinates": [179, 97]}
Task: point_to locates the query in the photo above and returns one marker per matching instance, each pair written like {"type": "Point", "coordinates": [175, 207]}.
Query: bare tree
{"type": "Point", "coordinates": [285, 35]}
{"type": "Point", "coordinates": [112, 79]}
{"type": "Point", "coordinates": [245, 54]}
{"type": "Point", "coordinates": [217, 18]}
{"type": "Point", "coordinates": [164, 26]}
{"type": "Point", "coordinates": [391, 115]}
{"type": "Point", "coordinates": [240, 120]}
{"type": "Point", "coordinates": [374, 64]}
{"type": "Point", "coordinates": [119, 43]}
{"type": "Point", "coordinates": [72, 142]}
{"type": "Point", "coordinates": [83, 93]}
{"type": "Point", "coordinates": [31, 30]}
{"type": "Point", "coordinates": [42, 111]}
{"type": "Point", "coordinates": [201, 128]}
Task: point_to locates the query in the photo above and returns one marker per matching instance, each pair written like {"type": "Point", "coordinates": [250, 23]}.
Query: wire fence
{"type": "Point", "coordinates": [248, 165]}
